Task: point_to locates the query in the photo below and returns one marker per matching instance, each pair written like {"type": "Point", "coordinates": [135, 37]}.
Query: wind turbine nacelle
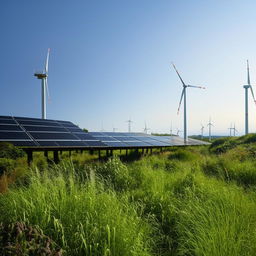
{"type": "Point", "coordinates": [246, 86]}
{"type": "Point", "coordinates": [40, 75]}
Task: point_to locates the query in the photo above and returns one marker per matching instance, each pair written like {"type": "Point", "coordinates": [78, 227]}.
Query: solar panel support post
{"type": "Point", "coordinates": [69, 153]}
{"type": "Point", "coordinates": [29, 156]}
{"type": "Point", "coordinates": [46, 154]}
{"type": "Point", "coordinates": [56, 157]}
{"type": "Point", "coordinates": [150, 150]}
{"type": "Point", "coordinates": [142, 151]}
{"type": "Point", "coordinates": [99, 154]}
{"type": "Point", "coordinates": [120, 151]}
{"type": "Point", "coordinates": [91, 151]}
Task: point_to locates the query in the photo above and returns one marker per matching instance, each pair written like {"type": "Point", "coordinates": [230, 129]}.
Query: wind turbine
{"type": "Point", "coordinates": [146, 129]}
{"type": "Point", "coordinates": [171, 130]}
{"type": "Point", "coordinates": [234, 130]}
{"type": "Point", "coordinates": [210, 129]}
{"type": "Point", "coordinates": [43, 76]}
{"type": "Point", "coordinates": [202, 131]}
{"type": "Point", "coordinates": [230, 130]}
{"type": "Point", "coordinates": [246, 87]}
{"type": "Point", "coordinates": [178, 131]}
{"type": "Point", "coordinates": [129, 125]}
{"type": "Point", "coordinates": [183, 95]}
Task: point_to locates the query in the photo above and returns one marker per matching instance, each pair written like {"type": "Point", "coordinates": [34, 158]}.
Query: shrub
{"type": "Point", "coordinates": [7, 150]}
{"type": "Point", "coordinates": [6, 165]}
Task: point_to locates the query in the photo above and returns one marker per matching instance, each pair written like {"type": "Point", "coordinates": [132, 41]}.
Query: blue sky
{"type": "Point", "coordinates": [111, 61]}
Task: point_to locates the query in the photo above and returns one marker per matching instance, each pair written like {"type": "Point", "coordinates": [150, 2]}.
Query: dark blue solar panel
{"type": "Point", "coordinates": [116, 144]}
{"type": "Point", "coordinates": [71, 143]}
{"type": "Point", "coordinates": [23, 143]}
{"type": "Point", "coordinates": [84, 136]}
{"type": "Point", "coordinates": [124, 138]}
{"type": "Point", "coordinates": [104, 138]}
{"type": "Point", "coordinates": [95, 143]}
{"type": "Point", "coordinates": [32, 128]}
{"type": "Point", "coordinates": [75, 130]}
{"type": "Point", "coordinates": [44, 123]}
{"type": "Point", "coordinates": [6, 127]}
{"type": "Point", "coordinates": [52, 136]}
{"type": "Point", "coordinates": [6, 117]}
{"type": "Point", "coordinates": [14, 136]}
{"type": "Point", "coordinates": [7, 121]}
{"type": "Point", "coordinates": [46, 143]}
{"type": "Point", "coordinates": [138, 144]}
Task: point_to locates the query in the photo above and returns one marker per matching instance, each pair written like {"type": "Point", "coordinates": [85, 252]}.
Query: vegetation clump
{"type": "Point", "coordinates": [186, 201]}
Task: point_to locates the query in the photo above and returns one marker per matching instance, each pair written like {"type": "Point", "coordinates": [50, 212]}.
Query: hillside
{"type": "Point", "coordinates": [185, 201]}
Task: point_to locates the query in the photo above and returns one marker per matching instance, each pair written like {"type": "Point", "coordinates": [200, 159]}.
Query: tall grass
{"type": "Point", "coordinates": [183, 202]}
{"type": "Point", "coordinates": [83, 219]}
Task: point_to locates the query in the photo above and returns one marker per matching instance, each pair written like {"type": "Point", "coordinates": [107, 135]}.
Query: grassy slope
{"type": "Point", "coordinates": [183, 202]}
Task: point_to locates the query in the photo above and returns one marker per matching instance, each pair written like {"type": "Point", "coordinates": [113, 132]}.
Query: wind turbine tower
{"type": "Point", "coordinates": [129, 125]}
{"type": "Point", "coordinates": [210, 129]}
{"type": "Point", "coordinates": [234, 130]}
{"type": "Point", "coordinates": [230, 130]}
{"type": "Point", "coordinates": [202, 131]}
{"type": "Point", "coordinates": [146, 129]}
{"type": "Point", "coordinates": [43, 76]}
{"type": "Point", "coordinates": [246, 87]}
{"type": "Point", "coordinates": [183, 95]}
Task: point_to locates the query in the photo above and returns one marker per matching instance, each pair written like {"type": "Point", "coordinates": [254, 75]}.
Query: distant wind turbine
{"type": "Point", "coordinates": [146, 129]}
{"type": "Point", "coordinates": [230, 130]}
{"type": "Point", "coordinates": [178, 131]}
{"type": "Point", "coordinates": [210, 129]}
{"type": "Point", "coordinates": [246, 87]}
{"type": "Point", "coordinates": [234, 130]}
{"type": "Point", "coordinates": [43, 76]}
{"type": "Point", "coordinates": [129, 125]}
{"type": "Point", "coordinates": [171, 130]}
{"type": "Point", "coordinates": [183, 95]}
{"type": "Point", "coordinates": [202, 131]}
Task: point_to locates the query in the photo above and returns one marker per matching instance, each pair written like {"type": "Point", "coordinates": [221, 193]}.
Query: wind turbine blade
{"type": "Point", "coordinates": [252, 94]}
{"type": "Point", "coordinates": [47, 89]}
{"type": "Point", "coordinates": [248, 73]}
{"type": "Point", "coordinates": [179, 75]}
{"type": "Point", "coordinates": [182, 94]}
{"type": "Point", "coordinates": [193, 86]}
{"type": "Point", "coordinates": [47, 61]}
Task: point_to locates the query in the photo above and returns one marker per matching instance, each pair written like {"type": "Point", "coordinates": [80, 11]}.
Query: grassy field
{"type": "Point", "coordinates": [186, 201]}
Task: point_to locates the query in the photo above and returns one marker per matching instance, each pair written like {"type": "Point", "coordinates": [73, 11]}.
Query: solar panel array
{"type": "Point", "coordinates": [45, 133]}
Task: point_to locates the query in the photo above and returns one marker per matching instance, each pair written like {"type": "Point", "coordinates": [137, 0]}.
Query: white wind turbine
{"type": "Point", "coordinates": [43, 76]}
{"type": "Point", "coordinates": [246, 87]}
{"type": "Point", "coordinates": [230, 130]}
{"type": "Point", "coordinates": [146, 129]}
{"type": "Point", "coordinates": [183, 95]}
{"type": "Point", "coordinates": [202, 131]}
{"type": "Point", "coordinates": [234, 130]}
{"type": "Point", "coordinates": [129, 125]}
{"type": "Point", "coordinates": [210, 129]}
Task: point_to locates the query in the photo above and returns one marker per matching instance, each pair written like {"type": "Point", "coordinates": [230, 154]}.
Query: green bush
{"type": "Point", "coordinates": [7, 150]}
{"type": "Point", "coordinates": [183, 155]}
{"type": "Point", "coordinates": [6, 165]}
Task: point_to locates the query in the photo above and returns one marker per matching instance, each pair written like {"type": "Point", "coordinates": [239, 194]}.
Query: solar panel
{"type": "Point", "coordinates": [7, 127]}
{"type": "Point", "coordinates": [46, 133]}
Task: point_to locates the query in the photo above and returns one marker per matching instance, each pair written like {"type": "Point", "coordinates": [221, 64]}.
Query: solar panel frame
{"type": "Point", "coordinates": [39, 133]}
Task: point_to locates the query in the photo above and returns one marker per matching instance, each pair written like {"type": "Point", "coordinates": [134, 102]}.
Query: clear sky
{"type": "Point", "coordinates": [111, 61]}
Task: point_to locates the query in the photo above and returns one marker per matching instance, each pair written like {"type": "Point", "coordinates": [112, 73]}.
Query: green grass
{"type": "Point", "coordinates": [186, 201]}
